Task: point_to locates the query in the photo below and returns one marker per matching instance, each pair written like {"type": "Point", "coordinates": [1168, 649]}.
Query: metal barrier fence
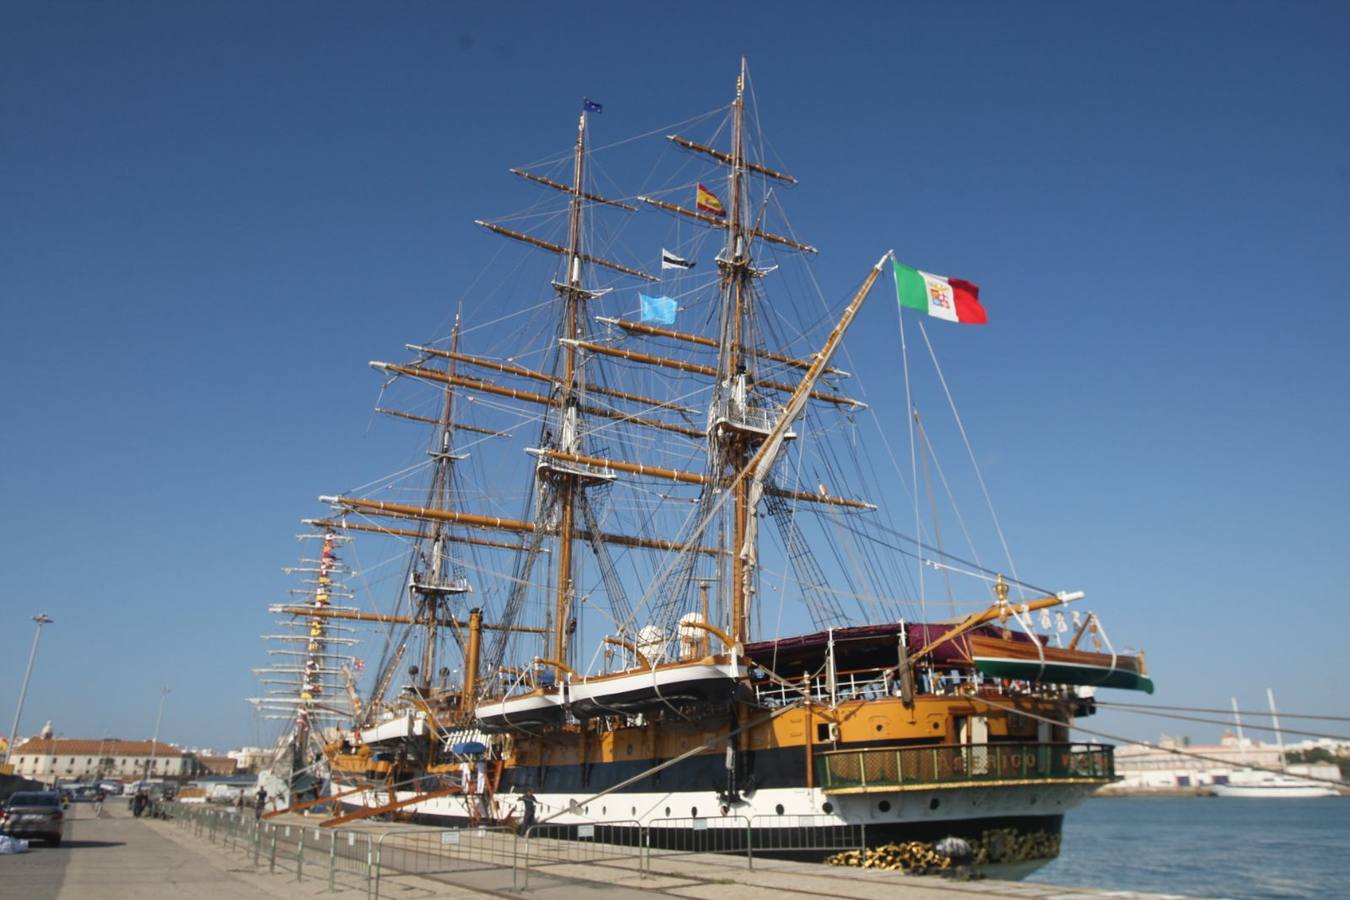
{"type": "Point", "coordinates": [420, 851]}
{"type": "Point", "coordinates": [370, 857]}
{"type": "Point", "coordinates": [805, 834]}
{"type": "Point", "coordinates": [695, 834]}
{"type": "Point", "coordinates": [288, 847]}
{"type": "Point", "coordinates": [553, 844]}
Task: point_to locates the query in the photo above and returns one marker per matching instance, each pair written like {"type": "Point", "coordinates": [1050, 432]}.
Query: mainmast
{"type": "Point", "coordinates": [730, 446]}
{"type": "Point", "coordinates": [569, 438]}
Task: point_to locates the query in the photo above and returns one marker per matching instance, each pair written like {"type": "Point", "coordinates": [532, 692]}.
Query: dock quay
{"type": "Point", "coordinates": [201, 852]}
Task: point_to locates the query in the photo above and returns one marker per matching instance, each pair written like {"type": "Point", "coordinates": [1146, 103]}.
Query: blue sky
{"type": "Point", "coordinates": [212, 215]}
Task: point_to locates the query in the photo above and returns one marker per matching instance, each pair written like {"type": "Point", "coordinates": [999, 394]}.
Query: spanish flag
{"type": "Point", "coordinates": [707, 202]}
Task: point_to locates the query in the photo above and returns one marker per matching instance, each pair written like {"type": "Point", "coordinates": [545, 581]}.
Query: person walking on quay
{"type": "Point", "coordinates": [258, 802]}
{"type": "Point", "coordinates": [139, 803]}
{"type": "Point", "coordinates": [99, 796]}
{"type": "Point", "coordinates": [527, 818]}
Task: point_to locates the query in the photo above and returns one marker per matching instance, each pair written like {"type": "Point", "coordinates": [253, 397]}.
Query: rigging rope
{"type": "Point", "coordinates": [1175, 751]}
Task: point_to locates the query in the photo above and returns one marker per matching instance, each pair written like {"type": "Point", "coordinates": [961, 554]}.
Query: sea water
{"type": "Point", "coordinates": [1207, 847]}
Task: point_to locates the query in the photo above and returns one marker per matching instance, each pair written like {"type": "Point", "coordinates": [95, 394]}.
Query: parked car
{"type": "Point", "coordinates": [33, 814]}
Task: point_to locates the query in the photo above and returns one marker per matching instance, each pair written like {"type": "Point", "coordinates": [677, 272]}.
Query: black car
{"type": "Point", "coordinates": [29, 814]}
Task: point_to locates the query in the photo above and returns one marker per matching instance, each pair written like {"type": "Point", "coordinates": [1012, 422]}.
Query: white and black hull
{"type": "Point", "coordinates": [780, 821]}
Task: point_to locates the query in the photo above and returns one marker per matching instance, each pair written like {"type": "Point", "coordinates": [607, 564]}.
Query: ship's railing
{"type": "Point", "coordinates": [742, 416]}
{"type": "Point", "coordinates": [587, 471]}
{"type": "Point", "coordinates": [867, 685]}
{"type": "Point", "coordinates": [952, 765]}
{"type": "Point", "coordinates": [873, 684]}
{"type": "Point", "coordinates": [554, 844]}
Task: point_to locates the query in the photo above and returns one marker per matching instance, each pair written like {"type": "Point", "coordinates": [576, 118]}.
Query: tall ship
{"type": "Point", "coordinates": [662, 565]}
{"type": "Point", "coordinates": [309, 681]}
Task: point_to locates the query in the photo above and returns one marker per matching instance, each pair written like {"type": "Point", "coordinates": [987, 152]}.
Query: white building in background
{"type": "Point", "coordinates": [1176, 763]}
{"type": "Point", "coordinates": [252, 759]}
{"type": "Point", "coordinates": [58, 759]}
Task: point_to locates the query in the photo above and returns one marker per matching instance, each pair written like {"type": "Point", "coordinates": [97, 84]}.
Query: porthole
{"type": "Point", "coordinates": [693, 811]}
{"type": "Point", "coordinates": [667, 812]}
{"type": "Point", "coordinates": [881, 726]}
{"type": "Point", "coordinates": [828, 807]}
{"type": "Point", "coordinates": [934, 803]}
{"type": "Point", "coordinates": [884, 806]}
{"type": "Point", "coordinates": [635, 810]}
{"type": "Point", "coordinates": [778, 809]}
{"type": "Point", "coordinates": [604, 810]}
{"type": "Point", "coordinates": [937, 726]}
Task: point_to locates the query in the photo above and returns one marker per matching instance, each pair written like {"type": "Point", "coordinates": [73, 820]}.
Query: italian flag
{"type": "Point", "coordinates": [947, 298]}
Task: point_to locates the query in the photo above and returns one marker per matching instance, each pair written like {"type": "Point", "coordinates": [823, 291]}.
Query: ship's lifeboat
{"type": "Point", "coordinates": [538, 708]}
{"type": "Point", "coordinates": [711, 679]}
{"type": "Point", "coordinates": [1029, 660]}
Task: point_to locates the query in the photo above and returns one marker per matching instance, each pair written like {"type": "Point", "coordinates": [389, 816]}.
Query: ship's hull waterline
{"type": "Point", "coordinates": [781, 821]}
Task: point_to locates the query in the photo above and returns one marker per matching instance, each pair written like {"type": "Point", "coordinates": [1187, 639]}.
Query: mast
{"type": "Point", "coordinates": [1275, 721]}
{"type": "Point", "coordinates": [731, 447]}
{"type": "Point", "coordinates": [568, 411]}
{"type": "Point", "coordinates": [434, 584]}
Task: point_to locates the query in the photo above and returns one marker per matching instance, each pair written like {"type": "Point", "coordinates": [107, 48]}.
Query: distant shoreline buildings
{"type": "Point", "coordinates": [1175, 763]}
{"type": "Point", "coordinates": [51, 760]}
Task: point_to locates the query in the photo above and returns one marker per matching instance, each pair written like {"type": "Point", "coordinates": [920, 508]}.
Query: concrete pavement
{"type": "Point", "coordinates": [118, 857]}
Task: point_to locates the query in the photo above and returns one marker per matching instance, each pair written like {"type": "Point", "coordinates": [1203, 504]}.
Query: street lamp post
{"type": "Point", "coordinates": [154, 742]}
{"type": "Point", "coordinates": [41, 619]}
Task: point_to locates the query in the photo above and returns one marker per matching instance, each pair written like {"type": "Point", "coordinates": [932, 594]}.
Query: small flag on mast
{"type": "Point", "coordinates": [658, 309]}
{"type": "Point", "coordinates": [590, 105]}
{"type": "Point", "coordinates": [706, 201]}
{"type": "Point", "coordinates": [671, 261]}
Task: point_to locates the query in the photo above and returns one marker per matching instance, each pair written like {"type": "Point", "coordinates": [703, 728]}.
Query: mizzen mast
{"type": "Point", "coordinates": [435, 579]}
